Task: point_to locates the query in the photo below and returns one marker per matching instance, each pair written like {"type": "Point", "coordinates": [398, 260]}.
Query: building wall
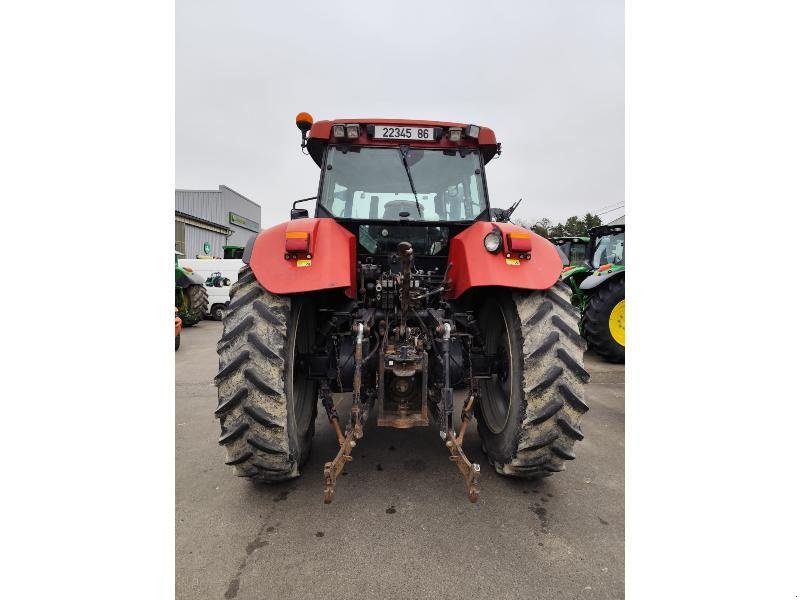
{"type": "Point", "coordinates": [196, 238]}
{"type": "Point", "coordinates": [203, 204]}
{"type": "Point", "coordinates": [230, 219]}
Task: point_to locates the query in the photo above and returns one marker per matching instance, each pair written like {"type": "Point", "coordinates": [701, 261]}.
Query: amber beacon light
{"type": "Point", "coordinates": [304, 121]}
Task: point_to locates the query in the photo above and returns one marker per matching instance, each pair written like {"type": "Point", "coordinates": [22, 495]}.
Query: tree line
{"type": "Point", "coordinates": [571, 227]}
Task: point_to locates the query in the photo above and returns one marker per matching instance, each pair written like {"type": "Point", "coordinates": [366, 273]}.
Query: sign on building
{"type": "Point", "coordinates": [243, 222]}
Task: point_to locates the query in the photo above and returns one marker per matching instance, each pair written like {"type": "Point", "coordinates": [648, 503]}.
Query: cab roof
{"type": "Point", "coordinates": [602, 230]}
{"type": "Point", "coordinates": [321, 135]}
{"type": "Point", "coordinates": [569, 238]}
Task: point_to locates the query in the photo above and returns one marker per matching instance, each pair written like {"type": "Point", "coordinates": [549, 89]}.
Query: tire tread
{"type": "Point", "coordinates": [251, 384]}
{"type": "Point", "coordinates": [553, 384]}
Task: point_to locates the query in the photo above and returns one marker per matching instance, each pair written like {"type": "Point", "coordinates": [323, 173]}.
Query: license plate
{"type": "Point", "coordinates": [390, 132]}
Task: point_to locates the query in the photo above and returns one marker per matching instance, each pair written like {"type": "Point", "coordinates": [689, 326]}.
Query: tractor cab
{"type": "Point", "coordinates": [574, 248]}
{"type": "Point", "coordinates": [607, 246]}
{"type": "Point", "coordinates": [393, 181]}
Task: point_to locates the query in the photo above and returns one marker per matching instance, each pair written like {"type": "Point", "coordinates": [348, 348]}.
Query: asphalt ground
{"type": "Point", "coordinates": [400, 525]}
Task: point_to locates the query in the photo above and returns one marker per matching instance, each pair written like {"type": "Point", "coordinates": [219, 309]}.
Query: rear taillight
{"type": "Point", "coordinates": [519, 242]}
{"type": "Point", "coordinates": [298, 242]}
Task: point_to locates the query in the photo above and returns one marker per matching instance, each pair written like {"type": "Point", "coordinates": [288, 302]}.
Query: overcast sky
{"type": "Point", "coordinates": [547, 76]}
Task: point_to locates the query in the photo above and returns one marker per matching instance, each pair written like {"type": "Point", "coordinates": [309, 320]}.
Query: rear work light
{"type": "Point", "coordinates": [473, 131]}
{"type": "Point", "coordinates": [455, 134]}
{"type": "Point", "coordinates": [338, 131]}
{"type": "Point", "coordinates": [298, 242]}
{"type": "Point", "coordinates": [493, 242]}
{"type": "Point", "coordinates": [353, 131]}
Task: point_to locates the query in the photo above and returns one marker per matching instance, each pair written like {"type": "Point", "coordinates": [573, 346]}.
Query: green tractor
{"type": "Point", "coordinates": [598, 290]}
{"type": "Point", "coordinates": [191, 297]}
{"type": "Point", "coordinates": [575, 256]}
{"type": "Point", "coordinates": [232, 251]}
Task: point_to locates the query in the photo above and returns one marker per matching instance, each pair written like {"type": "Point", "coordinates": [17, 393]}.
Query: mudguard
{"type": "Point", "coordinates": [474, 266]}
{"type": "Point", "coordinates": [332, 263]}
{"type": "Point", "coordinates": [599, 277]}
{"type": "Point", "coordinates": [183, 278]}
{"type": "Point", "coordinates": [574, 271]}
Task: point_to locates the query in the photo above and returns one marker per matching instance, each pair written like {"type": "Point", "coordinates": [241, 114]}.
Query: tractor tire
{"type": "Point", "coordinates": [266, 407]}
{"type": "Point", "coordinates": [529, 412]}
{"type": "Point", "coordinates": [604, 321]}
{"type": "Point", "coordinates": [217, 312]}
{"type": "Point", "coordinates": [197, 304]}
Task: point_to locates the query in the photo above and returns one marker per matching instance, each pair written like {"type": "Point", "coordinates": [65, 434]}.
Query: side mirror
{"type": "Point", "coordinates": [298, 213]}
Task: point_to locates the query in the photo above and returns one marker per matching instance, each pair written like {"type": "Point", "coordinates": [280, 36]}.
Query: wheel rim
{"type": "Point", "coordinates": [497, 391]}
{"type": "Point", "coordinates": [302, 386]}
{"type": "Point", "coordinates": [616, 322]}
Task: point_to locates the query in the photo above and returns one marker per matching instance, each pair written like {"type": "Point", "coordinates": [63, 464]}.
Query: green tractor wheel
{"type": "Point", "coordinates": [604, 321]}
{"type": "Point", "coordinates": [192, 304]}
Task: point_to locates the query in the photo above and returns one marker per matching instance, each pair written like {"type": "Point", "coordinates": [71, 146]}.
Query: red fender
{"type": "Point", "coordinates": [474, 266]}
{"type": "Point", "coordinates": [332, 263]}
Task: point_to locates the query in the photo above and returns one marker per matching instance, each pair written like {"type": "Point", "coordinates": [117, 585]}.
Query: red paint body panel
{"type": "Point", "coordinates": [333, 251]}
{"type": "Point", "coordinates": [474, 266]}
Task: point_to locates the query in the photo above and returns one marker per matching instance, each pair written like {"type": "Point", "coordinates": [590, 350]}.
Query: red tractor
{"type": "Point", "coordinates": [400, 289]}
